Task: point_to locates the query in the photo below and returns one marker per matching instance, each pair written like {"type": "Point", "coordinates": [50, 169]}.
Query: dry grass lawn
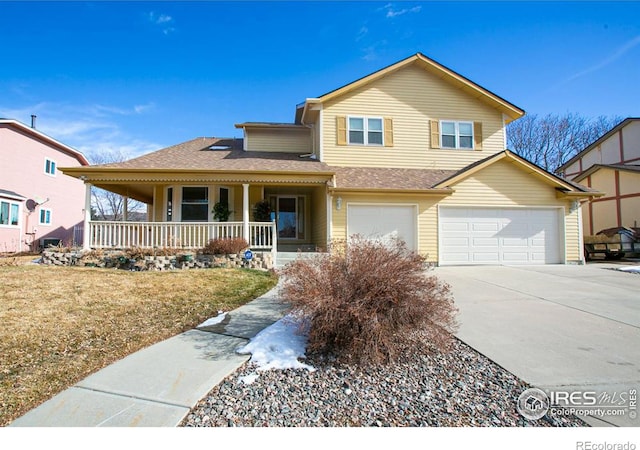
{"type": "Point", "coordinates": [60, 324]}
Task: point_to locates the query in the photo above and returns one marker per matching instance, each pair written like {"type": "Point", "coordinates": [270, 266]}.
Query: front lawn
{"type": "Point", "coordinates": [60, 324]}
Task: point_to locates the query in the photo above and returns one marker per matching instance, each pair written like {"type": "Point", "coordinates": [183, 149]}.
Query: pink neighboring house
{"type": "Point", "coordinates": [38, 204]}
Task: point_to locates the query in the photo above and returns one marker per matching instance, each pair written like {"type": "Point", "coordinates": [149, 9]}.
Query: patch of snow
{"type": "Point", "coordinates": [213, 320]}
{"type": "Point", "coordinates": [278, 346]}
{"type": "Point", "coordinates": [249, 379]}
{"type": "Point", "coordinates": [630, 269]}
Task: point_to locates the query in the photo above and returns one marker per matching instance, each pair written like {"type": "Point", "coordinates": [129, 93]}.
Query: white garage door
{"type": "Point", "coordinates": [499, 236]}
{"type": "Point", "coordinates": [383, 221]}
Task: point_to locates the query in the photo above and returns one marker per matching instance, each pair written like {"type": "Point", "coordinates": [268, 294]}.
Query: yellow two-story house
{"type": "Point", "coordinates": [414, 150]}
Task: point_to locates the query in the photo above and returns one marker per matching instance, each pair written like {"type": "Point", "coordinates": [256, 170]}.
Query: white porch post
{"type": "Point", "coordinates": [86, 232]}
{"type": "Point", "coordinates": [125, 208]}
{"type": "Point", "coordinates": [245, 212]}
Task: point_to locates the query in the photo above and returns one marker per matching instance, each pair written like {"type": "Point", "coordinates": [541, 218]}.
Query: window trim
{"type": "Point", "coordinates": [456, 124]}
{"type": "Point", "coordinates": [365, 130]}
{"type": "Point", "coordinates": [45, 210]}
{"type": "Point", "coordinates": [50, 162]}
{"type": "Point", "coordinates": [11, 203]}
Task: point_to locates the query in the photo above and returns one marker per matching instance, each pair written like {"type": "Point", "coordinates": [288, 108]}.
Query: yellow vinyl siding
{"type": "Point", "coordinates": [319, 218]}
{"type": "Point", "coordinates": [412, 97]}
{"type": "Point", "coordinates": [279, 140]}
{"type": "Point", "coordinates": [160, 203]}
{"type": "Point", "coordinates": [572, 241]}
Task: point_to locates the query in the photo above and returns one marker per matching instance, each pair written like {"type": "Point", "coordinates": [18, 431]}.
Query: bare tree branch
{"type": "Point", "coordinates": [552, 140]}
{"type": "Point", "coordinates": [108, 205]}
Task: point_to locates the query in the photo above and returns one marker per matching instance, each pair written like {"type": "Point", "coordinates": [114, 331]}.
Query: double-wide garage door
{"type": "Point", "coordinates": [383, 222]}
{"type": "Point", "coordinates": [499, 236]}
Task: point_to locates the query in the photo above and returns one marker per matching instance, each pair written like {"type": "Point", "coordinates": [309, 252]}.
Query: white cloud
{"type": "Point", "coordinates": [617, 54]}
{"type": "Point", "coordinates": [136, 109]}
{"type": "Point", "coordinates": [163, 20]}
{"type": "Point", "coordinates": [371, 52]}
{"type": "Point", "coordinates": [92, 129]}
{"type": "Point", "coordinates": [362, 33]}
{"type": "Point", "coordinates": [391, 12]}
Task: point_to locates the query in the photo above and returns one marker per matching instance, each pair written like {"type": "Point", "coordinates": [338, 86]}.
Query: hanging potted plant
{"type": "Point", "coordinates": [221, 212]}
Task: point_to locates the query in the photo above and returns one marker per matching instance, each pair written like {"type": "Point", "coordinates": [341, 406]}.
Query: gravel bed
{"type": "Point", "coordinates": [426, 388]}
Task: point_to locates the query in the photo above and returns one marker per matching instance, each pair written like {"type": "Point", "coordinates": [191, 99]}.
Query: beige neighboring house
{"type": "Point", "coordinates": [414, 150]}
{"type": "Point", "coordinates": [610, 165]}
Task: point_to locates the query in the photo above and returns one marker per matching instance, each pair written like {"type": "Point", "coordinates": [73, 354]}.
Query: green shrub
{"type": "Point", "coordinates": [262, 211]}
{"type": "Point", "coordinates": [363, 300]}
{"type": "Point", "coordinates": [225, 246]}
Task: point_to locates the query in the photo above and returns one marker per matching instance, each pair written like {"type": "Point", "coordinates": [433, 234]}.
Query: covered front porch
{"type": "Point", "coordinates": [182, 214]}
{"type": "Point", "coordinates": [209, 188]}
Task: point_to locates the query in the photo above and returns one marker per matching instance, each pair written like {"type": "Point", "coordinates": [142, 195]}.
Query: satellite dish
{"type": "Point", "coordinates": [31, 204]}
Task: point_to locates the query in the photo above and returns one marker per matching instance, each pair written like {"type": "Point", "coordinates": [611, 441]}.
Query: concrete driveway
{"type": "Point", "coordinates": [571, 328]}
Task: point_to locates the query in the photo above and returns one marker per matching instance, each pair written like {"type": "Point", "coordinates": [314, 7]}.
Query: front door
{"type": "Point", "coordinates": [287, 217]}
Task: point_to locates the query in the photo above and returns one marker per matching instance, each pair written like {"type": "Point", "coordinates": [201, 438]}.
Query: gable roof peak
{"type": "Point", "coordinates": [510, 110]}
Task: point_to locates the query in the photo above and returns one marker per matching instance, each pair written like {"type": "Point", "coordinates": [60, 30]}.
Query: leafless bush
{"type": "Point", "coordinates": [363, 299]}
{"type": "Point", "coordinates": [225, 246]}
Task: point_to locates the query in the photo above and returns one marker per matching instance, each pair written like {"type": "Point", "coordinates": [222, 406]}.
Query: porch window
{"type": "Point", "coordinates": [224, 196]}
{"type": "Point", "coordinates": [195, 204]}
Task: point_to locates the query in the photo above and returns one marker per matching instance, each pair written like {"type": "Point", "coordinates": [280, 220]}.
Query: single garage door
{"type": "Point", "coordinates": [499, 236]}
{"type": "Point", "coordinates": [383, 221]}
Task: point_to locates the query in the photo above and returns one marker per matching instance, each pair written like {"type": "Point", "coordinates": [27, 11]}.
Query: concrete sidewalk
{"type": "Point", "coordinates": [158, 386]}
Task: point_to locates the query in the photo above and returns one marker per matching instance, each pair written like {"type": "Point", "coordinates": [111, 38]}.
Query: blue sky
{"type": "Point", "coordinates": [131, 77]}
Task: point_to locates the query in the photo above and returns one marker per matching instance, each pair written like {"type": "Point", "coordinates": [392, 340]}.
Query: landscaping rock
{"type": "Point", "coordinates": [459, 388]}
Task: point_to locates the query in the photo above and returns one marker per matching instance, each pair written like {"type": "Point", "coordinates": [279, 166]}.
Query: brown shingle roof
{"type": "Point", "coordinates": [198, 154]}
{"type": "Point", "coordinates": [388, 178]}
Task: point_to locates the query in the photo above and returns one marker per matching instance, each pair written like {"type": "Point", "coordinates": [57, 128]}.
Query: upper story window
{"type": "Point", "coordinates": [45, 216]}
{"type": "Point", "coordinates": [362, 130]}
{"type": "Point", "coordinates": [195, 204]}
{"type": "Point", "coordinates": [49, 167]}
{"type": "Point", "coordinates": [456, 135]}
{"type": "Point", "coordinates": [9, 213]}
{"type": "Point", "coordinates": [365, 130]}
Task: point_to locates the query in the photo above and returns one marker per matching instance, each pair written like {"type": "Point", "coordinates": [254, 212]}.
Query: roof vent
{"type": "Point", "coordinates": [33, 121]}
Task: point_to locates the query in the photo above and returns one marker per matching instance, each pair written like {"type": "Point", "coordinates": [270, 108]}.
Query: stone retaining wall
{"type": "Point", "coordinates": [118, 260]}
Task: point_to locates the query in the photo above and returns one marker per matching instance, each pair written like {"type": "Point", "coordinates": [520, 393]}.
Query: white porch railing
{"type": "Point", "coordinates": [109, 234]}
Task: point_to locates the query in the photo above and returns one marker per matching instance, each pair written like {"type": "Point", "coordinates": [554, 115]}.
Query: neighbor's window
{"type": "Point", "coordinates": [9, 213]}
{"type": "Point", "coordinates": [456, 135]}
{"type": "Point", "coordinates": [195, 204]}
{"type": "Point", "coordinates": [49, 166]}
{"type": "Point", "coordinates": [365, 130]}
{"type": "Point", "coordinates": [45, 216]}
